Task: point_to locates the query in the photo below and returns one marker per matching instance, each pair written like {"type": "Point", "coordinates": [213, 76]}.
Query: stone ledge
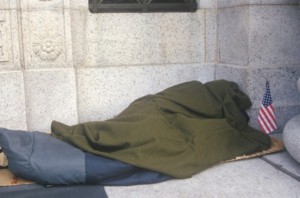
{"type": "Point", "coordinates": [284, 162]}
{"type": "Point", "coordinates": [246, 178]}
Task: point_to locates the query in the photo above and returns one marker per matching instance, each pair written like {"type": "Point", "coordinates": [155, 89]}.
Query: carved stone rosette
{"type": "Point", "coordinates": [48, 46]}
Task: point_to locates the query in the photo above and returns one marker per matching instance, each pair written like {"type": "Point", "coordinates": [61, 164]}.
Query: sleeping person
{"type": "Point", "coordinates": [175, 133]}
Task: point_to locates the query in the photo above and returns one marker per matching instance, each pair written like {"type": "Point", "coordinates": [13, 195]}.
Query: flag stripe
{"type": "Point", "coordinates": [268, 116]}
{"type": "Point", "coordinates": [272, 121]}
{"type": "Point", "coordinates": [264, 122]}
{"type": "Point", "coordinates": [272, 112]}
{"type": "Point", "coordinates": [262, 125]}
{"type": "Point", "coordinates": [265, 127]}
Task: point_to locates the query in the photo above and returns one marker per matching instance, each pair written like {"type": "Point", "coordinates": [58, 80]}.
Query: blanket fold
{"type": "Point", "coordinates": [178, 132]}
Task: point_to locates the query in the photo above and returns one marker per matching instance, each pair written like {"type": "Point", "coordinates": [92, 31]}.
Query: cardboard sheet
{"type": "Point", "coordinates": [8, 179]}
{"type": "Point", "coordinates": [277, 145]}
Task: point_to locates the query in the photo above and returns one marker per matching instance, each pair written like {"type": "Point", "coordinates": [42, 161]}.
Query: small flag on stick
{"type": "Point", "coordinates": [266, 115]}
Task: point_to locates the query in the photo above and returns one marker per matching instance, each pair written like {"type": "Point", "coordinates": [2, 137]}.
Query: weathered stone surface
{"type": "Point", "coordinates": [291, 137]}
{"type": "Point", "coordinates": [285, 162]}
{"type": "Point", "coordinates": [283, 85]}
{"type": "Point", "coordinates": [283, 81]}
{"type": "Point", "coordinates": [50, 95]}
{"type": "Point", "coordinates": [274, 36]}
{"type": "Point", "coordinates": [259, 36]}
{"type": "Point", "coordinates": [246, 178]}
{"type": "Point", "coordinates": [12, 100]}
{"type": "Point", "coordinates": [79, 5]}
{"type": "Point", "coordinates": [105, 92]}
{"type": "Point", "coordinates": [233, 33]}
{"type": "Point", "coordinates": [46, 34]}
{"type": "Point", "coordinates": [211, 27]}
{"type": "Point", "coordinates": [143, 39]}
{"type": "Point", "coordinates": [9, 37]}
{"type": "Point", "coordinates": [207, 4]}
{"type": "Point", "coordinates": [78, 23]}
{"type": "Point", "coordinates": [233, 73]}
{"type": "Point", "coordinates": [298, 84]}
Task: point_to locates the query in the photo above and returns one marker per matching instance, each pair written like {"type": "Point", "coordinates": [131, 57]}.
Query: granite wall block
{"type": "Point", "coordinates": [233, 33]}
{"type": "Point", "coordinates": [46, 34]}
{"type": "Point", "coordinates": [122, 39]}
{"type": "Point", "coordinates": [12, 100]}
{"type": "Point", "coordinates": [105, 92]}
{"type": "Point", "coordinates": [78, 30]}
{"type": "Point", "coordinates": [211, 32]}
{"type": "Point", "coordinates": [259, 36]}
{"type": "Point", "coordinates": [141, 39]}
{"type": "Point", "coordinates": [183, 37]}
{"type": "Point", "coordinates": [233, 73]}
{"type": "Point", "coordinates": [283, 85]}
{"type": "Point", "coordinates": [207, 4]}
{"type": "Point", "coordinates": [9, 37]}
{"type": "Point", "coordinates": [50, 95]}
{"type": "Point", "coordinates": [274, 36]}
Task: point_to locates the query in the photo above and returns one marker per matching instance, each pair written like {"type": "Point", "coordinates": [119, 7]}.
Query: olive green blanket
{"type": "Point", "coordinates": [179, 131]}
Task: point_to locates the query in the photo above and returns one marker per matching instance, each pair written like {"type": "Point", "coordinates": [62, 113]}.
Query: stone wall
{"type": "Point", "coordinates": [258, 41]}
{"type": "Point", "coordinates": [58, 61]}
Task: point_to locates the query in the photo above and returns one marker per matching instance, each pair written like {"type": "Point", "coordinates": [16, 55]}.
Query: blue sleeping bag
{"type": "Point", "coordinates": [39, 157]}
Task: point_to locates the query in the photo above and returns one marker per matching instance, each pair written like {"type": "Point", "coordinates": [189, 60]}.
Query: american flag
{"type": "Point", "coordinates": [266, 115]}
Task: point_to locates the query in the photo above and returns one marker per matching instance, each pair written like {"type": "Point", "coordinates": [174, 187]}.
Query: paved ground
{"type": "Point", "coordinates": [274, 175]}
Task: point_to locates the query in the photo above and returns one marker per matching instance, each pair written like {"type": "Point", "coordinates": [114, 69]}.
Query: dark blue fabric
{"type": "Point", "coordinates": [104, 171]}
{"type": "Point", "coordinates": [17, 146]}
{"type": "Point", "coordinates": [42, 158]}
{"type": "Point", "coordinates": [37, 191]}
